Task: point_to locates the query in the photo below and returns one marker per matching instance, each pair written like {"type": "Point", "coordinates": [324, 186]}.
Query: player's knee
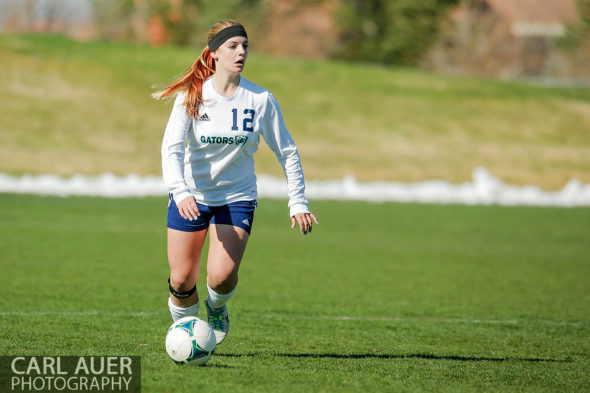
{"type": "Point", "coordinates": [180, 284]}
{"type": "Point", "coordinates": [223, 281]}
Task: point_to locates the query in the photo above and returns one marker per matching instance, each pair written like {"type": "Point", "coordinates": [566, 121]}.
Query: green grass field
{"type": "Point", "coordinates": [86, 108]}
{"type": "Point", "coordinates": [381, 297]}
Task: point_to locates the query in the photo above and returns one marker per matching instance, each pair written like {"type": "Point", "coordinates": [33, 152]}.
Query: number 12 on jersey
{"type": "Point", "coordinates": [248, 122]}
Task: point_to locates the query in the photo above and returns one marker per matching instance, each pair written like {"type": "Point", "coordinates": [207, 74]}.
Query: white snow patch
{"type": "Point", "coordinates": [485, 189]}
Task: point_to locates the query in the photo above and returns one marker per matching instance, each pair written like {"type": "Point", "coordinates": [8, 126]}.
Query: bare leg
{"type": "Point", "coordinates": [227, 244]}
{"type": "Point", "coordinates": [184, 255]}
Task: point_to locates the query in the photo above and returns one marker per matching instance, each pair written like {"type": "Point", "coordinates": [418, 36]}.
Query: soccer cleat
{"type": "Point", "coordinates": [219, 321]}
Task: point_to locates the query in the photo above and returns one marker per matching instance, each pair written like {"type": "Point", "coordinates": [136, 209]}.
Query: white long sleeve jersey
{"type": "Point", "coordinates": [216, 166]}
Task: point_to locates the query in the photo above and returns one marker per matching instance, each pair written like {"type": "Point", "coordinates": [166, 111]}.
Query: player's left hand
{"type": "Point", "coordinates": [305, 221]}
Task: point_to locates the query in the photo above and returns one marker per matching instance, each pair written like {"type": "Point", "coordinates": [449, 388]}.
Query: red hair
{"type": "Point", "coordinates": [193, 78]}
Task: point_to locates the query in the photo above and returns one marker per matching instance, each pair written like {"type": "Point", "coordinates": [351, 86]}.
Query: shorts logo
{"type": "Point", "coordinates": [246, 222]}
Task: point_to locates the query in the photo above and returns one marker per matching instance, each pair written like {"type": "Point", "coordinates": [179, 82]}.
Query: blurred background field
{"type": "Point", "coordinates": [71, 107]}
{"type": "Point", "coordinates": [382, 90]}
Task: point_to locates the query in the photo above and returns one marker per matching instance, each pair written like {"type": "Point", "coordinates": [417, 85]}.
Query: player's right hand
{"type": "Point", "coordinates": [188, 208]}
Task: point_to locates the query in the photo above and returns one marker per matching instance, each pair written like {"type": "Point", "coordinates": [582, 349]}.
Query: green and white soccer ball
{"type": "Point", "coordinates": [190, 340]}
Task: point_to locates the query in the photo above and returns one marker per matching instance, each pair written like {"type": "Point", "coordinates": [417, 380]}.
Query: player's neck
{"type": "Point", "coordinates": [225, 84]}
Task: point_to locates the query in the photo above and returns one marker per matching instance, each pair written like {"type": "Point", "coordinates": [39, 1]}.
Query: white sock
{"type": "Point", "coordinates": [180, 312]}
{"type": "Point", "coordinates": [217, 300]}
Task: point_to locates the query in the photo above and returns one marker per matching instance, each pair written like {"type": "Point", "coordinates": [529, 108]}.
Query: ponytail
{"type": "Point", "coordinates": [192, 82]}
{"type": "Point", "coordinates": [194, 77]}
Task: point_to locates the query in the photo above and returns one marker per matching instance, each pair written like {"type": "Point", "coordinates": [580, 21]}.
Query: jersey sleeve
{"type": "Point", "coordinates": [279, 140]}
{"type": "Point", "coordinates": [173, 150]}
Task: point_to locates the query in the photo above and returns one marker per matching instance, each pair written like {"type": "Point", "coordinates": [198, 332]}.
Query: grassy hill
{"type": "Point", "coordinates": [69, 107]}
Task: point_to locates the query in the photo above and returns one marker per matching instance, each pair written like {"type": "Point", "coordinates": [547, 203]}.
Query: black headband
{"type": "Point", "coordinates": [226, 34]}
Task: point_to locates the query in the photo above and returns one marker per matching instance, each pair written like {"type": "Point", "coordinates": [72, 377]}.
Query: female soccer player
{"type": "Point", "coordinates": [207, 161]}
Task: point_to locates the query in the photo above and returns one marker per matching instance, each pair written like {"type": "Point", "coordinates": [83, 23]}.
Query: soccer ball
{"type": "Point", "coordinates": [190, 340]}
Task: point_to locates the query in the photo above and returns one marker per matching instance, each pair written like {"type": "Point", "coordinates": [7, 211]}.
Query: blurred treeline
{"type": "Point", "coordinates": [172, 21]}
{"type": "Point", "coordinates": [390, 32]}
{"type": "Point", "coordinates": [578, 33]}
{"type": "Point", "coordinates": [491, 37]}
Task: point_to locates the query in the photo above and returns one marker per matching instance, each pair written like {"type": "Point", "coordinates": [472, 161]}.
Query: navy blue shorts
{"type": "Point", "coordinates": [239, 214]}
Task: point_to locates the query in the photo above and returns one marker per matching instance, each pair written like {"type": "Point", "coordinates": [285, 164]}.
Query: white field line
{"type": "Point", "coordinates": [32, 314]}
{"type": "Point", "coordinates": [430, 320]}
